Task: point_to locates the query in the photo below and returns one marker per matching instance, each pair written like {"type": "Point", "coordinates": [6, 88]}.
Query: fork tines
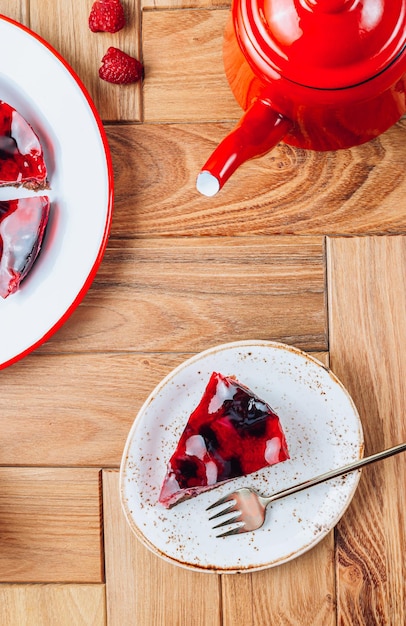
{"type": "Point", "coordinates": [231, 508]}
{"type": "Point", "coordinates": [229, 520]}
{"type": "Point", "coordinates": [220, 501]}
{"type": "Point", "coordinates": [228, 509]}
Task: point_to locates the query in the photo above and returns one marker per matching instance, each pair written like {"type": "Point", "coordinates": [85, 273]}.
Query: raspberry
{"type": "Point", "coordinates": [119, 68]}
{"type": "Point", "coordinates": [106, 16]}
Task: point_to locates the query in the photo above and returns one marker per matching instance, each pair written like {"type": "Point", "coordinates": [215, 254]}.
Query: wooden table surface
{"type": "Point", "coordinates": [299, 247]}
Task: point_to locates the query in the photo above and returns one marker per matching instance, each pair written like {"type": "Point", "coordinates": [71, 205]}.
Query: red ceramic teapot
{"type": "Point", "coordinates": [319, 74]}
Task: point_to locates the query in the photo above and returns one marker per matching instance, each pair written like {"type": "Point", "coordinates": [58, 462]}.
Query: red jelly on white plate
{"type": "Point", "coordinates": [22, 227]}
{"type": "Point", "coordinates": [22, 221]}
{"type": "Point", "coordinates": [21, 155]}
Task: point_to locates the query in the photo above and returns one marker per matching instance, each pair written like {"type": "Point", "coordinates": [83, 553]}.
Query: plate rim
{"type": "Point", "coordinates": [170, 376]}
{"type": "Point", "coordinates": [110, 195]}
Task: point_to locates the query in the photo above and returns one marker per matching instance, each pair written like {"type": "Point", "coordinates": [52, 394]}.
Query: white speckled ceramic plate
{"type": "Point", "coordinates": [323, 431]}
{"type": "Point", "coordinates": [40, 84]}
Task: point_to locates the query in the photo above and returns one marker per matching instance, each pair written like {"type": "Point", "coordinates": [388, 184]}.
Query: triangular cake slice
{"type": "Point", "coordinates": [22, 227]}
{"type": "Point", "coordinates": [21, 156]}
{"type": "Point", "coordinates": [232, 432]}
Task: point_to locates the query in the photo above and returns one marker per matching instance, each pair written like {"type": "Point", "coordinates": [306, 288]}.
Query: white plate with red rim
{"type": "Point", "coordinates": [323, 431]}
{"type": "Point", "coordinates": [40, 84]}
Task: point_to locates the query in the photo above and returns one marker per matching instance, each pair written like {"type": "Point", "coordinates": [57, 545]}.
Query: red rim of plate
{"type": "Point", "coordinates": [110, 180]}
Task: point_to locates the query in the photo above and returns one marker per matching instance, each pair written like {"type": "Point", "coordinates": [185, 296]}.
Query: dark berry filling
{"type": "Point", "coordinates": [189, 472]}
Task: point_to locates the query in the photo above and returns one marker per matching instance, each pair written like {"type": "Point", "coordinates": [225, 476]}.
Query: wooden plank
{"type": "Point", "coordinates": [64, 23]}
{"type": "Point", "coordinates": [93, 426]}
{"type": "Point", "coordinates": [175, 44]}
{"type": "Point", "coordinates": [61, 605]}
{"type": "Point", "coordinates": [91, 412]}
{"type": "Point", "coordinates": [301, 592]}
{"type": "Point", "coordinates": [142, 588]}
{"type": "Point", "coordinates": [287, 191]}
{"type": "Point", "coordinates": [367, 305]}
{"type": "Point", "coordinates": [15, 10]}
{"type": "Point", "coordinates": [50, 525]}
{"type": "Point", "coordinates": [171, 294]}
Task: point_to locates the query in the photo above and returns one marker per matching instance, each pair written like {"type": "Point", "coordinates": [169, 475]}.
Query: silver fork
{"type": "Point", "coordinates": [249, 506]}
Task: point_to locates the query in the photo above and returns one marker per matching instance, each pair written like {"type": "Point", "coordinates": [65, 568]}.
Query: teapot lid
{"type": "Point", "coordinates": [324, 44]}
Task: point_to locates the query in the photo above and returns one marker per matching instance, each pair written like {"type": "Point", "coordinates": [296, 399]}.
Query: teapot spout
{"type": "Point", "coordinates": [257, 132]}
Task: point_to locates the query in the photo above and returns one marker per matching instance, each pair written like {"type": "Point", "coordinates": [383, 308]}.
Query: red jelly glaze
{"type": "Point", "coordinates": [235, 436]}
{"type": "Point", "coordinates": [22, 228]}
{"type": "Point", "coordinates": [21, 156]}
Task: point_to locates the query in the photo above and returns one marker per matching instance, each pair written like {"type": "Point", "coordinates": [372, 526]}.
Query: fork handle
{"type": "Point", "coordinates": [340, 471]}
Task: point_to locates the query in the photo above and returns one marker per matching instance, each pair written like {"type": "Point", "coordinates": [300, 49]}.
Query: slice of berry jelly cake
{"type": "Point", "coordinates": [231, 433]}
{"type": "Point", "coordinates": [21, 155]}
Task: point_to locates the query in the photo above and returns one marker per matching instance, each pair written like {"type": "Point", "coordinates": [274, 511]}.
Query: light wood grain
{"type": "Point", "coordinates": [92, 425]}
{"type": "Point", "coordinates": [367, 305]}
{"type": "Point", "coordinates": [64, 23]}
{"type": "Point", "coordinates": [190, 293]}
{"type": "Point", "coordinates": [87, 422]}
{"type": "Point", "coordinates": [52, 605]}
{"type": "Point", "coordinates": [50, 527]}
{"type": "Point", "coordinates": [184, 67]}
{"type": "Point", "coordinates": [15, 10]}
{"type": "Point", "coordinates": [287, 191]}
{"type": "Point", "coordinates": [142, 588]}
{"type": "Point", "coordinates": [284, 595]}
